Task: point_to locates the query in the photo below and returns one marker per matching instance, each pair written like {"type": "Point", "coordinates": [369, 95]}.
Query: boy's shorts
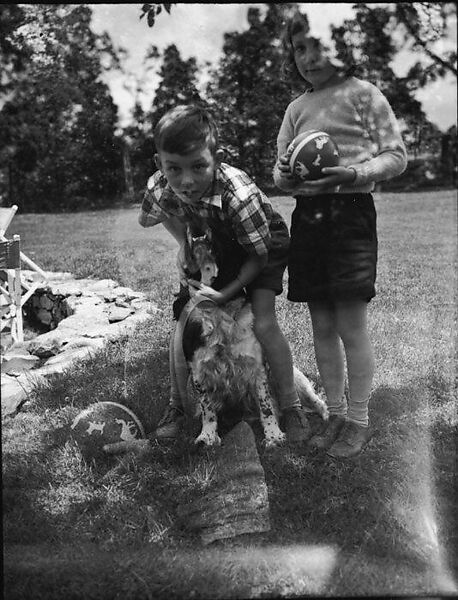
{"type": "Point", "coordinates": [333, 250]}
{"type": "Point", "coordinates": [231, 256]}
{"type": "Point", "coordinates": [271, 276]}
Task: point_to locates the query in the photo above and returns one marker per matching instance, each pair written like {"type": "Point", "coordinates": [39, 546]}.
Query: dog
{"type": "Point", "coordinates": [223, 356]}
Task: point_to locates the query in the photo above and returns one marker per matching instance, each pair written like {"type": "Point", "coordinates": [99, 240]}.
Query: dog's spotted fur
{"type": "Point", "coordinates": [226, 362]}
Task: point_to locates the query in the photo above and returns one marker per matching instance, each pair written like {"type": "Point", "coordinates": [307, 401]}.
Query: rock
{"type": "Point", "coordinates": [6, 342]}
{"type": "Point", "coordinates": [116, 330]}
{"type": "Point", "coordinates": [118, 313]}
{"type": "Point", "coordinates": [44, 316]}
{"type": "Point", "coordinates": [109, 296]}
{"type": "Point", "coordinates": [236, 502]}
{"type": "Point", "coordinates": [64, 360]}
{"type": "Point", "coordinates": [122, 303]}
{"type": "Point", "coordinates": [88, 317]}
{"type": "Point", "coordinates": [97, 285]}
{"type": "Point", "coordinates": [13, 364]}
{"type": "Point", "coordinates": [68, 288]}
{"type": "Point", "coordinates": [49, 344]}
{"type": "Point", "coordinates": [85, 342]}
{"type": "Point", "coordinates": [33, 276]}
{"type": "Point", "coordinates": [46, 302]}
{"type": "Point", "coordinates": [83, 303]}
{"type": "Point", "coordinates": [18, 348]}
{"type": "Point", "coordinates": [145, 306]}
{"type": "Point", "coordinates": [13, 395]}
{"type": "Point", "coordinates": [125, 293]}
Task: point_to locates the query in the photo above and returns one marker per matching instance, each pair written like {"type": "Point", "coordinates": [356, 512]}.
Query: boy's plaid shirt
{"type": "Point", "coordinates": [234, 198]}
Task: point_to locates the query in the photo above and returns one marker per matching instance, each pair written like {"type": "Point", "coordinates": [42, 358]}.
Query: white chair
{"type": "Point", "coordinates": [15, 291]}
{"type": "Point", "coordinates": [6, 216]}
{"type": "Point", "coordinates": [11, 288]}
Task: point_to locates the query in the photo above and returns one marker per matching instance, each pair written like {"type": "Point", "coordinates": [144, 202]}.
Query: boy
{"type": "Point", "coordinates": [192, 183]}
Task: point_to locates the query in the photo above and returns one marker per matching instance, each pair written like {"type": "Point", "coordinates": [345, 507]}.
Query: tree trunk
{"type": "Point", "coordinates": [128, 174]}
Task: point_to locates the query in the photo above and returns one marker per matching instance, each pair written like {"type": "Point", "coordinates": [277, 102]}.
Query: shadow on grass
{"type": "Point", "coordinates": [48, 489]}
{"type": "Point", "coordinates": [126, 538]}
{"type": "Point", "coordinates": [384, 503]}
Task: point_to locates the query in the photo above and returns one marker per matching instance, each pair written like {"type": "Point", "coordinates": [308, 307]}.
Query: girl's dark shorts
{"type": "Point", "coordinates": [333, 249]}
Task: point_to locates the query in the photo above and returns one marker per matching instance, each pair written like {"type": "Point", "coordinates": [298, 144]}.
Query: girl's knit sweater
{"type": "Point", "coordinates": [360, 120]}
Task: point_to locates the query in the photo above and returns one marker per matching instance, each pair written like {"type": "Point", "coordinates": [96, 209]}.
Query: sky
{"type": "Point", "coordinates": [198, 29]}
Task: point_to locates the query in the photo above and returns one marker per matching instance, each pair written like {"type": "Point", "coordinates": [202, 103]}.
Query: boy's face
{"type": "Point", "coordinates": [311, 60]}
{"type": "Point", "coordinates": [189, 175]}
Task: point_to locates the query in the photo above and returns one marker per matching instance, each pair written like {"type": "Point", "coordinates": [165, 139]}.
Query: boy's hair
{"type": "Point", "coordinates": [299, 22]}
{"type": "Point", "coordinates": [185, 128]}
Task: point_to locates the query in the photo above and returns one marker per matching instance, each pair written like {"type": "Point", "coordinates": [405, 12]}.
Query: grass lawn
{"type": "Point", "coordinates": [383, 524]}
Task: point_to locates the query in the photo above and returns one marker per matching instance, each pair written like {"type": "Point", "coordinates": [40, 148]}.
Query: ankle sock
{"type": "Point", "coordinates": [288, 401]}
{"type": "Point", "coordinates": [358, 412]}
{"type": "Point", "coordinates": [338, 407]}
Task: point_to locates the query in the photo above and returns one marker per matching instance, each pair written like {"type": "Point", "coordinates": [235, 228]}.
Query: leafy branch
{"type": "Point", "coordinates": [153, 10]}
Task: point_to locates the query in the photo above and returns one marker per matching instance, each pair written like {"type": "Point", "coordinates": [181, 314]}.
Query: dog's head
{"type": "Point", "coordinates": [201, 255]}
{"type": "Point", "coordinates": [199, 263]}
{"type": "Point", "coordinates": [200, 260]}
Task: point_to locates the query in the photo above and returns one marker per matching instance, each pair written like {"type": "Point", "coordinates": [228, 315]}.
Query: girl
{"type": "Point", "coordinates": [333, 252]}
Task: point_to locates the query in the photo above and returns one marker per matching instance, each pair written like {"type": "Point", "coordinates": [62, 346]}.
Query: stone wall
{"type": "Point", "coordinates": [81, 316]}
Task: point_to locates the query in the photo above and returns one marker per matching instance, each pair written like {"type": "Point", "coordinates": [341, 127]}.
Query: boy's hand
{"type": "Point", "coordinates": [181, 264]}
{"type": "Point", "coordinates": [205, 291]}
{"type": "Point", "coordinates": [140, 447]}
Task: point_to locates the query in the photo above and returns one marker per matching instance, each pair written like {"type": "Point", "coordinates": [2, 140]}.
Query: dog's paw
{"type": "Point", "coordinates": [323, 410]}
{"type": "Point", "coordinates": [273, 441]}
{"type": "Point", "coordinates": [208, 439]}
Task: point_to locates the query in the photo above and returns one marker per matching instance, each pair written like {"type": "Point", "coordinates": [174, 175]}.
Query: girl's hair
{"type": "Point", "coordinates": [185, 128]}
{"type": "Point", "coordinates": [299, 22]}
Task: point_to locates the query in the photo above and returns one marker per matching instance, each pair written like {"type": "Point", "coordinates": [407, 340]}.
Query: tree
{"type": "Point", "coordinates": [248, 98]}
{"type": "Point", "coordinates": [425, 26]}
{"type": "Point", "coordinates": [246, 94]}
{"type": "Point", "coordinates": [368, 38]}
{"type": "Point", "coordinates": [12, 58]}
{"type": "Point", "coordinates": [373, 38]}
{"type": "Point", "coordinates": [153, 10]}
{"type": "Point", "coordinates": [58, 126]}
{"type": "Point", "coordinates": [178, 84]}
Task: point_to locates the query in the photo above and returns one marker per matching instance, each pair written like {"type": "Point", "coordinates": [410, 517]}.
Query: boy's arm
{"type": "Point", "coordinates": [154, 208]}
{"type": "Point", "coordinates": [248, 271]}
{"type": "Point", "coordinates": [152, 213]}
{"type": "Point", "coordinates": [176, 228]}
{"type": "Point", "coordinates": [251, 228]}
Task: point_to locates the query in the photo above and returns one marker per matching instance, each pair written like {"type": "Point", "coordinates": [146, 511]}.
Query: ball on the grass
{"type": "Point", "coordinates": [311, 151]}
{"type": "Point", "coordinates": [104, 423]}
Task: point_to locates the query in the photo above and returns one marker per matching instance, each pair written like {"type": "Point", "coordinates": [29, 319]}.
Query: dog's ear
{"type": "Point", "coordinates": [190, 266]}
{"type": "Point", "coordinates": [189, 237]}
{"type": "Point", "coordinates": [192, 291]}
{"type": "Point", "coordinates": [182, 298]}
{"type": "Point", "coordinates": [207, 325]}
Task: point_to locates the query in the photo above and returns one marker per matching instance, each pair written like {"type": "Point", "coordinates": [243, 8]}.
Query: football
{"type": "Point", "coordinates": [311, 151]}
{"type": "Point", "coordinates": [104, 423]}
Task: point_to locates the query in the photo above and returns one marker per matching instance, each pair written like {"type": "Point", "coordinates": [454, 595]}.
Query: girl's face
{"type": "Point", "coordinates": [311, 60]}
